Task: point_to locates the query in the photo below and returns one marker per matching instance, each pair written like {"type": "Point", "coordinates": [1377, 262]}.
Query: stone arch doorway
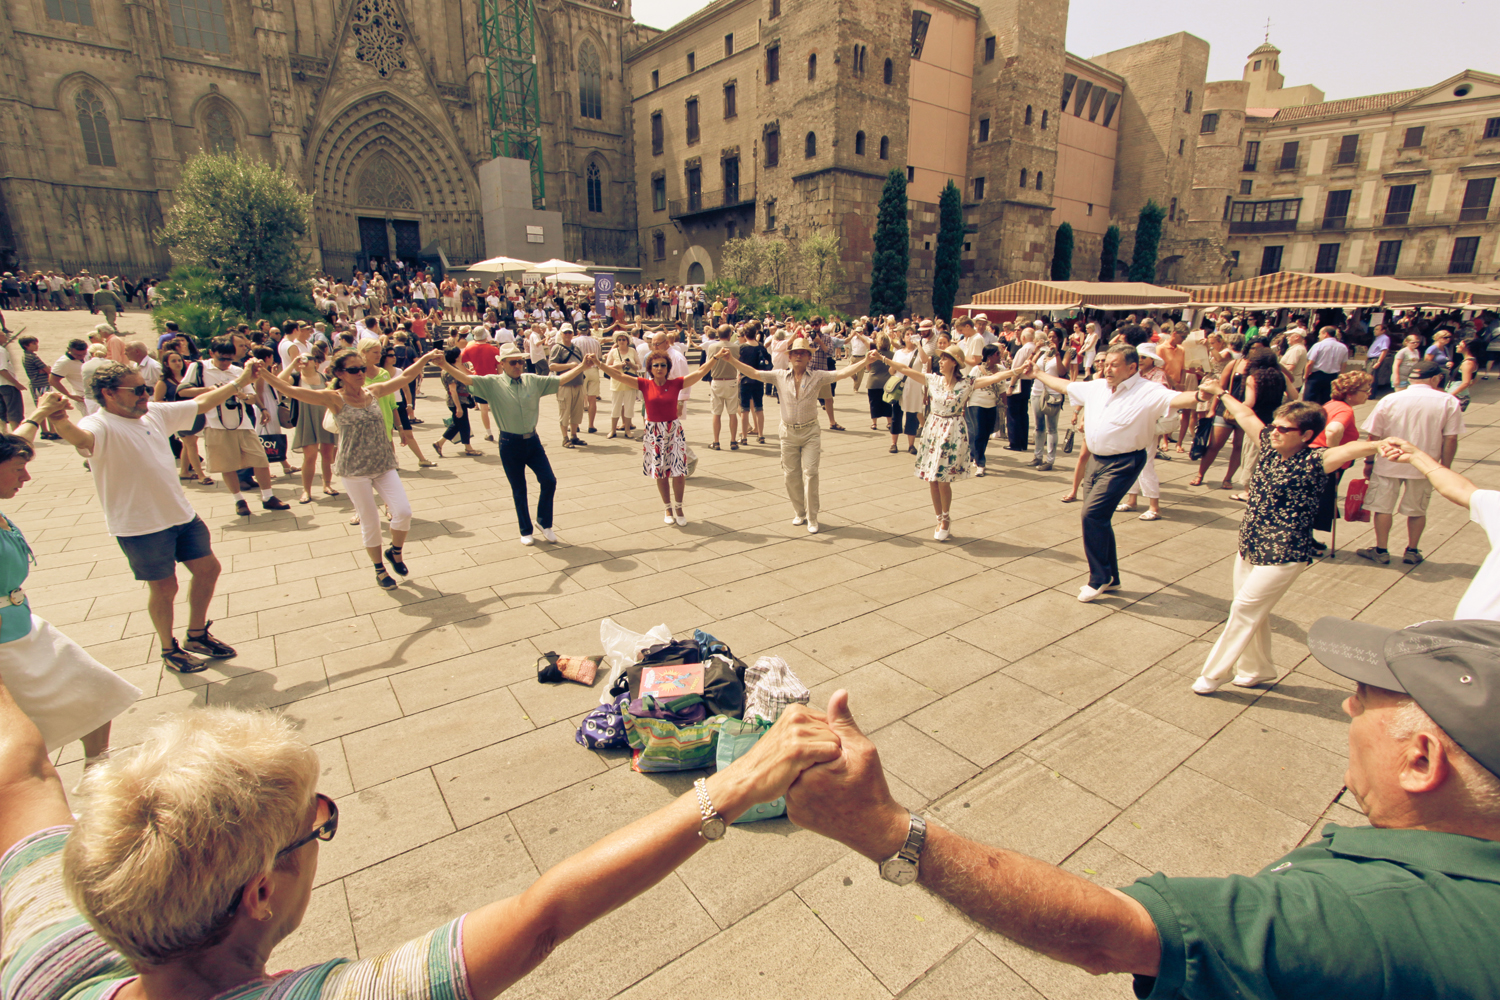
{"type": "Point", "coordinates": [695, 274]}
{"type": "Point", "coordinates": [389, 226]}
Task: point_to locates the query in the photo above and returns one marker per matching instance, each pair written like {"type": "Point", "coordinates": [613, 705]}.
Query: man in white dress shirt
{"type": "Point", "coordinates": [1120, 415]}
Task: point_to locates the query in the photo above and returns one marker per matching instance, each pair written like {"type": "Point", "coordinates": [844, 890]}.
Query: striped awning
{"type": "Point", "coordinates": [1465, 294]}
{"type": "Point", "coordinates": [1317, 291]}
{"type": "Point", "coordinates": [1046, 296]}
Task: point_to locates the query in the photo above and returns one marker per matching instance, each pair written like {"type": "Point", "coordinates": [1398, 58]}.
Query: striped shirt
{"type": "Point", "coordinates": [49, 952]}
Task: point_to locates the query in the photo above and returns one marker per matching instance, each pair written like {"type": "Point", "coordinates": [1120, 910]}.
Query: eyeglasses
{"type": "Point", "coordinates": [353, 370]}
{"type": "Point", "coordinates": [139, 390]}
{"type": "Point", "coordinates": [323, 831]}
{"type": "Point", "coordinates": [1279, 429]}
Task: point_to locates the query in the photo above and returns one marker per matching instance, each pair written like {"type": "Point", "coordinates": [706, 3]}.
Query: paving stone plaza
{"type": "Point", "coordinates": [1002, 707]}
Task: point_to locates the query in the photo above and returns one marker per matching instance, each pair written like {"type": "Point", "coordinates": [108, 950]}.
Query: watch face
{"type": "Point", "coordinates": [899, 870]}
{"type": "Point", "coordinates": [712, 828]}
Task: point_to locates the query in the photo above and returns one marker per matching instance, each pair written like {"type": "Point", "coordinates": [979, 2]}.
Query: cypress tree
{"type": "Point", "coordinates": [892, 249]}
{"type": "Point", "coordinates": [1062, 253]}
{"type": "Point", "coordinates": [950, 244]}
{"type": "Point", "coordinates": [1147, 239]}
{"type": "Point", "coordinates": [1109, 253]}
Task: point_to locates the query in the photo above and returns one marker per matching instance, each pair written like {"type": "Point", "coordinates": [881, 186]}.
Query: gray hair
{"type": "Point", "coordinates": [108, 376]}
{"type": "Point", "coordinates": [1481, 785]}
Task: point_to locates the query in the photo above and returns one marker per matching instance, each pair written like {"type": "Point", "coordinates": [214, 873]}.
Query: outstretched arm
{"type": "Point", "coordinates": [900, 368]}
{"type": "Point", "coordinates": [1334, 458]}
{"type": "Point", "coordinates": [1242, 414]}
{"type": "Point", "coordinates": [696, 376]}
{"type": "Point", "coordinates": [318, 397]}
{"type": "Point", "coordinates": [1453, 486]}
{"type": "Point", "coordinates": [408, 374]}
{"type": "Point", "coordinates": [1050, 381]}
{"type": "Point", "coordinates": [745, 369]}
{"type": "Point", "coordinates": [617, 374]}
{"type": "Point", "coordinates": [31, 794]}
{"type": "Point", "coordinates": [848, 370]}
{"type": "Point", "coordinates": [985, 381]}
{"type": "Point", "coordinates": [459, 375]}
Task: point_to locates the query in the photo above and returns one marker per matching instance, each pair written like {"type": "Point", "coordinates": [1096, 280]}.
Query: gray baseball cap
{"type": "Point", "coordinates": [1451, 669]}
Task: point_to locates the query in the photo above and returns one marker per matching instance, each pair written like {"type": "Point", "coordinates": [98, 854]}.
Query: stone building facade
{"type": "Point", "coordinates": [376, 106]}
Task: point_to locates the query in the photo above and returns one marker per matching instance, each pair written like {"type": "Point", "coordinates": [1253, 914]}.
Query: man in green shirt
{"type": "Point", "coordinates": [514, 397]}
{"type": "Point", "coordinates": [1406, 907]}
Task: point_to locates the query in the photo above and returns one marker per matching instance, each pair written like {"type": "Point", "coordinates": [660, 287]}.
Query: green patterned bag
{"type": "Point", "coordinates": [659, 745]}
{"type": "Point", "coordinates": [736, 737]}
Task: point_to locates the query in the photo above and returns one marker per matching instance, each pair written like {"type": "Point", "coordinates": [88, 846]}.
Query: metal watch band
{"type": "Point", "coordinates": [916, 837]}
{"type": "Point", "coordinates": [713, 824]}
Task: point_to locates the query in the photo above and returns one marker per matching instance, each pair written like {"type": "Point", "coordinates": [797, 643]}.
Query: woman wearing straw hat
{"type": "Point", "coordinates": [943, 453]}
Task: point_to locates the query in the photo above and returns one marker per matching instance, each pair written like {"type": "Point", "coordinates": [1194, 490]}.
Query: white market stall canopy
{"type": "Point", "coordinates": [1057, 296]}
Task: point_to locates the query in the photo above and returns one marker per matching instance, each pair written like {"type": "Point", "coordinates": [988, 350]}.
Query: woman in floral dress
{"type": "Point", "coordinates": [943, 455]}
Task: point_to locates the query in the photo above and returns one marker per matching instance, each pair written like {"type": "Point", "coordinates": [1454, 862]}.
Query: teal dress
{"type": "Point", "coordinates": [61, 688]}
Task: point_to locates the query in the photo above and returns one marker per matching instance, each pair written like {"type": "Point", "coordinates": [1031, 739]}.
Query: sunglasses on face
{"type": "Point", "coordinates": [323, 831]}
{"type": "Point", "coordinates": [1282, 429]}
{"type": "Point", "coordinates": [352, 370]}
{"type": "Point", "coordinates": [139, 390]}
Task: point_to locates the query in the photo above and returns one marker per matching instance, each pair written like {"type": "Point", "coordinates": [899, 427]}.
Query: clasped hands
{"type": "Point", "coordinates": [831, 776]}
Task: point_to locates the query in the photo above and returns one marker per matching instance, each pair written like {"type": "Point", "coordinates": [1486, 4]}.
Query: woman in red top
{"type": "Point", "coordinates": [1347, 391]}
{"type": "Point", "coordinates": [663, 445]}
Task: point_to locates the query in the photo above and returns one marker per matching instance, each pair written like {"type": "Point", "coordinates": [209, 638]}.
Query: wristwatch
{"type": "Point", "coordinates": [713, 826]}
{"type": "Point", "coordinates": [901, 868]}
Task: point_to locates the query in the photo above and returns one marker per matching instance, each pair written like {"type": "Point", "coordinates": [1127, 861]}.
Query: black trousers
{"type": "Point", "coordinates": [1108, 480]}
{"type": "Point", "coordinates": [981, 421]}
{"type": "Point", "coordinates": [1018, 424]}
{"type": "Point", "coordinates": [517, 454]}
{"type": "Point", "coordinates": [1319, 387]}
{"type": "Point", "coordinates": [460, 427]}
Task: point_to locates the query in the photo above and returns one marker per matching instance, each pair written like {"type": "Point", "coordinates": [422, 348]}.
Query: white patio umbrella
{"type": "Point", "coordinates": [554, 266]}
{"type": "Point", "coordinates": [573, 279]}
{"type": "Point", "coordinates": [501, 264]}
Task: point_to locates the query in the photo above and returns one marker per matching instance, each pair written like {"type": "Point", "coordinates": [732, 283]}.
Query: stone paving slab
{"type": "Point", "coordinates": [1008, 710]}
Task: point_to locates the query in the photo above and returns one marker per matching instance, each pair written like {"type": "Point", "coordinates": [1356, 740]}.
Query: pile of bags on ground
{"type": "Point", "coordinates": [679, 704]}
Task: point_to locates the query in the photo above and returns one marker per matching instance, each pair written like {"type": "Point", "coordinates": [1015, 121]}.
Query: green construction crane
{"type": "Point", "coordinates": [507, 32]}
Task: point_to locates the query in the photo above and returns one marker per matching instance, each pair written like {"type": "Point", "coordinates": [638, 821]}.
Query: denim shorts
{"type": "Point", "coordinates": [155, 556]}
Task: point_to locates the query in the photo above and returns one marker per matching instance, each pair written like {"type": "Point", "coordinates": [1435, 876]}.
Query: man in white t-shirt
{"type": "Point", "coordinates": [229, 432]}
{"type": "Point", "coordinates": [67, 371]}
{"type": "Point", "coordinates": [293, 346]}
{"type": "Point", "coordinates": [1430, 419]}
{"type": "Point", "coordinates": [137, 356]}
{"type": "Point", "coordinates": [135, 475]}
{"type": "Point", "coordinates": [1482, 599]}
{"type": "Point", "coordinates": [971, 340]}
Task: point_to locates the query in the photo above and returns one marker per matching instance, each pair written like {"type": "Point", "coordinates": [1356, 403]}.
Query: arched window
{"type": "Point", "coordinates": [810, 148]}
{"type": "Point", "coordinates": [596, 188]}
{"type": "Point", "coordinates": [859, 144]}
{"type": "Point", "coordinates": [1038, 180]}
{"type": "Point", "coordinates": [1023, 176]}
{"type": "Point", "coordinates": [885, 147]}
{"type": "Point", "coordinates": [218, 131]}
{"type": "Point", "coordinates": [890, 71]}
{"type": "Point", "coordinates": [98, 147]}
{"type": "Point", "coordinates": [812, 66]}
{"type": "Point", "coordinates": [1028, 114]}
{"type": "Point", "coordinates": [590, 83]}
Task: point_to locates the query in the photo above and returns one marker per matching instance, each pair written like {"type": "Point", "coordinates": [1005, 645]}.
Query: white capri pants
{"type": "Point", "coordinates": [1148, 484]}
{"type": "Point", "coordinates": [624, 402]}
{"type": "Point", "coordinates": [1244, 646]}
{"type": "Point", "coordinates": [361, 490]}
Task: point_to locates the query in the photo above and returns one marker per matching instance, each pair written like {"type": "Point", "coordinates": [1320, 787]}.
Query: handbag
{"type": "Point", "coordinates": [1068, 446]}
{"type": "Point", "coordinates": [287, 411]}
{"type": "Point", "coordinates": [735, 740]}
{"type": "Point", "coordinates": [330, 422]}
{"type": "Point", "coordinates": [275, 445]}
{"type": "Point", "coordinates": [1201, 437]}
{"type": "Point", "coordinates": [1354, 501]}
{"type": "Point", "coordinates": [659, 745]}
{"type": "Point", "coordinates": [604, 727]}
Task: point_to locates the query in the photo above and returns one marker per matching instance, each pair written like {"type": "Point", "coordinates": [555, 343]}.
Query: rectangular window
{"type": "Point", "coordinates": [771, 214]}
{"type": "Point", "coordinates": [1387, 256]}
{"type": "Point", "coordinates": [911, 174]}
{"type": "Point", "coordinates": [731, 169]}
{"type": "Point", "coordinates": [692, 122]}
{"type": "Point", "coordinates": [1288, 156]}
{"type": "Point", "coordinates": [1270, 260]}
{"type": "Point", "coordinates": [1252, 155]}
{"type": "Point", "coordinates": [692, 61]}
{"type": "Point", "coordinates": [658, 138]}
{"type": "Point", "coordinates": [773, 148]}
{"type": "Point", "coordinates": [72, 11]}
{"type": "Point", "coordinates": [1492, 128]}
{"type": "Point", "coordinates": [1228, 204]}
{"type": "Point", "coordinates": [659, 244]}
{"type": "Point", "coordinates": [658, 194]}
{"type": "Point", "coordinates": [694, 178]}
{"type": "Point", "coordinates": [978, 188]}
{"type": "Point", "coordinates": [1172, 212]}
{"type": "Point", "coordinates": [1246, 187]}
{"type": "Point", "coordinates": [1187, 106]}
{"type": "Point", "coordinates": [655, 79]}
{"type": "Point", "coordinates": [730, 108]}
{"type": "Point", "coordinates": [989, 49]}
{"type": "Point", "coordinates": [775, 8]}
{"type": "Point", "coordinates": [1465, 253]}
{"type": "Point", "coordinates": [1328, 258]}
{"type": "Point", "coordinates": [984, 130]}
{"type": "Point", "coordinates": [199, 24]}
{"type": "Point", "coordinates": [1398, 204]}
{"type": "Point", "coordinates": [1209, 124]}
{"type": "Point", "coordinates": [1111, 100]}
{"type": "Point", "coordinates": [1096, 100]}
{"type": "Point", "coordinates": [1348, 149]}
{"type": "Point", "coordinates": [1336, 209]}
{"type": "Point", "coordinates": [1070, 80]}
{"type": "Point", "coordinates": [728, 45]}
{"type": "Point", "coordinates": [773, 63]}
{"type": "Point", "coordinates": [1414, 137]}
{"type": "Point", "coordinates": [920, 21]}
{"type": "Point", "coordinates": [1278, 216]}
{"type": "Point", "coordinates": [1477, 195]}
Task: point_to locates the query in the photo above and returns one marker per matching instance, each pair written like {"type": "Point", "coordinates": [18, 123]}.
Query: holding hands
{"type": "Point", "coordinates": [51, 404]}
{"type": "Point", "coordinates": [800, 739]}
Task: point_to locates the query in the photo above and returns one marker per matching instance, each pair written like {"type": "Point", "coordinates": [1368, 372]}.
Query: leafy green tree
{"type": "Point", "coordinates": [950, 245]}
{"type": "Point", "coordinates": [240, 219]}
{"type": "Point", "coordinates": [892, 249]}
{"type": "Point", "coordinates": [1062, 253]}
{"type": "Point", "coordinates": [780, 262]}
{"type": "Point", "coordinates": [1109, 253]}
{"type": "Point", "coordinates": [1147, 240]}
{"type": "Point", "coordinates": [822, 258]}
{"type": "Point", "coordinates": [743, 259]}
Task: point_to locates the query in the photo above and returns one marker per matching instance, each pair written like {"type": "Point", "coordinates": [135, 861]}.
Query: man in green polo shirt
{"type": "Point", "coordinates": [514, 396]}
{"type": "Point", "coordinates": [1406, 907]}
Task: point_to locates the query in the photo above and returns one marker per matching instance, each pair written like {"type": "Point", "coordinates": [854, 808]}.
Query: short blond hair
{"type": "Point", "coordinates": [172, 831]}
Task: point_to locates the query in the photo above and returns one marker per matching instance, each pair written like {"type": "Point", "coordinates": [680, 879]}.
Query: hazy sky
{"type": "Point", "coordinates": [1344, 47]}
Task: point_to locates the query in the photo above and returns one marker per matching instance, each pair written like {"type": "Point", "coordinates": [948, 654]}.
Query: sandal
{"type": "Point", "coordinates": [1241, 497]}
{"type": "Point", "coordinates": [437, 446]}
{"type": "Point", "coordinates": [329, 491]}
{"type": "Point", "coordinates": [1069, 498]}
{"type": "Point", "coordinates": [1124, 508]}
{"type": "Point", "coordinates": [207, 481]}
{"type": "Point", "coordinates": [1227, 484]}
{"type": "Point", "coordinates": [1196, 480]}
{"type": "Point", "coordinates": [306, 497]}
{"type": "Point", "coordinates": [179, 661]}
{"type": "Point", "coordinates": [1150, 515]}
{"type": "Point", "coordinates": [835, 427]}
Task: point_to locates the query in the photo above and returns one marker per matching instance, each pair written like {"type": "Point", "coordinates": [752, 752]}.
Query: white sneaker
{"type": "Point", "coordinates": [550, 535]}
{"type": "Point", "coordinates": [1086, 594]}
{"type": "Point", "coordinates": [1204, 685]}
{"type": "Point", "coordinates": [799, 519]}
{"type": "Point", "coordinates": [1108, 587]}
{"type": "Point", "coordinates": [527, 540]}
{"type": "Point", "coordinates": [812, 527]}
{"type": "Point", "coordinates": [980, 471]}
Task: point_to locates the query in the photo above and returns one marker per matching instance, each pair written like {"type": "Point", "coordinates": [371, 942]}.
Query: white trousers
{"type": "Point", "coordinates": [361, 490]}
{"type": "Point", "coordinates": [801, 451]}
{"type": "Point", "coordinates": [1147, 484]}
{"type": "Point", "coordinates": [1244, 647]}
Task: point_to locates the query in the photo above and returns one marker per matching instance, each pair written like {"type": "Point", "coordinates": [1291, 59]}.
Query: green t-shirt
{"type": "Point", "coordinates": [1364, 913]}
{"type": "Point", "coordinates": [514, 401]}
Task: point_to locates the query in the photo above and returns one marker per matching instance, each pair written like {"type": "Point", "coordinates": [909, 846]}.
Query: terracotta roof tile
{"type": "Point", "coordinates": [1351, 106]}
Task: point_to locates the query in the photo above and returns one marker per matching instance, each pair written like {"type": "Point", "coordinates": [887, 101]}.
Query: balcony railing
{"type": "Point", "coordinates": [1335, 222]}
{"type": "Point", "coordinates": [712, 201]}
{"type": "Point", "coordinates": [1349, 223]}
{"type": "Point", "coordinates": [1396, 219]}
{"type": "Point", "coordinates": [1267, 226]}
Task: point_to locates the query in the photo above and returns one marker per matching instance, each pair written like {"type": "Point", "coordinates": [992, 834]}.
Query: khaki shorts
{"type": "Point", "coordinates": [1383, 491]}
{"type": "Point", "coordinates": [825, 391]}
{"type": "Point", "coordinates": [229, 451]}
{"type": "Point", "coordinates": [724, 396]}
{"type": "Point", "coordinates": [591, 383]}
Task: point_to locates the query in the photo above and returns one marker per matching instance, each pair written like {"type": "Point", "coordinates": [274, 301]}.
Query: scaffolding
{"type": "Point", "coordinates": [507, 32]}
